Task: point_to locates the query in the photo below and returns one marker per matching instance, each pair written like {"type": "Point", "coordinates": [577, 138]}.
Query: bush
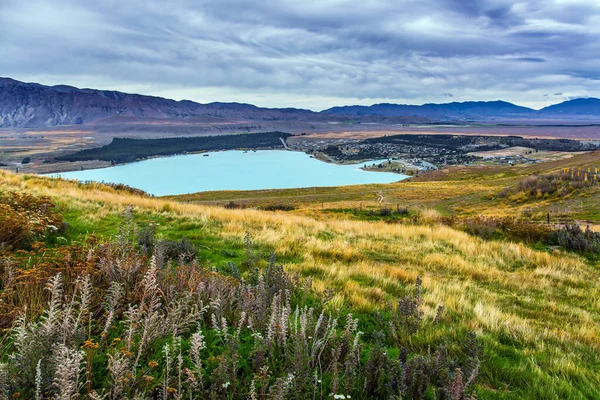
{"type": "Point", "coordinates": [278, 207]}
{"type": "Point", "coordinates": [180, 250]}
{"type": "Point", "coordinates": [232, 205]}
{"type": "Point", "coordinates": [15, 229]}
{"type": "Point", "coordinates": [385, 211]}
{"type": "Point", "coordinates": [542, 186]}
{"type": "Point", "coordinates": [485, 228]}
{"type": "Point", "coordinates": [509, 228]}
{"type": "Point", "coordinates": [25, 218]}
{"type": "Point", "coordinates": [146, 238]}
{"type": "Point", "coordinates": [129, 189]}
{"type": "Point", "coordinates": [573, 238]}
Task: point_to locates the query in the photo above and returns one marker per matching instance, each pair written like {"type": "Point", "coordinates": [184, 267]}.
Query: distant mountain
{"type": "Point", "coordinates": [470, 110]}
{"type": "Point", "coordinates": [584, 106]}
{"type": "Point", "coordinates": [31, 105]}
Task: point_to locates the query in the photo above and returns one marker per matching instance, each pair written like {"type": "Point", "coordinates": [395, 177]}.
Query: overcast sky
{"type": "Point", "coordinates": [310, 53]}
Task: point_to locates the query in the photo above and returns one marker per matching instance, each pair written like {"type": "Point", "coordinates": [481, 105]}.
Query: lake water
{"type": "Point", "coordinates": [232, 170]}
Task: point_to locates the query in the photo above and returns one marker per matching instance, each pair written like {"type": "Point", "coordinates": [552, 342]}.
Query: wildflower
{"type": "Point", "coordinates": [148, 378]}
{"type": "Point", "coordinates": [257, 335]}
{"type": "Point", "coordinates": [125, 352]}
{"type": "Point", "coordinates": [152, 364]}
{"type": "Point", "coordinates": [171, 390]}
{"type": "Point", "coordinates": [115, 341]}
{"type": "Point", "coordinates": [90, 344]}
{"type": "Point", "coordinates": [226, 384]}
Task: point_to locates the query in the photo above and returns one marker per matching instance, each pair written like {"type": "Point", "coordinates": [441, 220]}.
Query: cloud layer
{"type": "Point", "coordinates": [314, 53]}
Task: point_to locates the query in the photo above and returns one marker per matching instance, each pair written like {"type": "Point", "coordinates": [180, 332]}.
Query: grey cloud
{"type": "Point", "coordinates": [576, 97]}
{"type": "Point", "coordinates": [312, 51]}
{"type": "Point", "coordinates": [531, 59]}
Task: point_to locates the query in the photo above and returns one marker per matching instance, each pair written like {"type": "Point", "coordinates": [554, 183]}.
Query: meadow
{"type": "Point", "coordinates": [533, 307]}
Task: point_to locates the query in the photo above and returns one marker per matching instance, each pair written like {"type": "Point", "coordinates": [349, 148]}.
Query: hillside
{"type": "Point", "coordinates": [533, 308]}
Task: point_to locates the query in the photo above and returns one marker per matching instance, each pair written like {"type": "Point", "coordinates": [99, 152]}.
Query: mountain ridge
{"type": "Point", "coordinates": [474, 109]}
{"type": "Point", "coordinates": [33, 105]}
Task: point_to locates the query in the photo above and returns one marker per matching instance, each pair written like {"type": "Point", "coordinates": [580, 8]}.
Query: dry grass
{"type": "Point", "coordinates": [370, 263]}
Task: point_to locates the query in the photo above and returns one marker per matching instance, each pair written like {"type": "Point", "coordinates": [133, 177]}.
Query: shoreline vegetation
{"type": "Point", "coordinates": [122, 150]}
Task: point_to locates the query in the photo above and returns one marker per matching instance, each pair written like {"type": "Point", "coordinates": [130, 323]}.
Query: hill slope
{"type": "Point", "coordinates": [536, 311]}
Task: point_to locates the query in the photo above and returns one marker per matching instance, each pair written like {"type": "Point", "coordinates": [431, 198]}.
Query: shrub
{"type": "Point", "coordinates": [181, 250]}
{"type": "Point", "coordinates": [509, 228]}
{"type": "Point", "coordinates": [129, 189]}
{"type": "Point", "coordinates": [146, 238]}
{"type": "Point", "coordinates": [542, 186]}
{"type": "Point", "coordinates": [25, 219]}
{"type": "Point", "coordinates": [232, 205]}
{"type": "Point", "coordinates": [278, 207]}
{"type": "Point", "coordinates": [573, 238]}
{"type": "Point", "coordinates": [483, 227]}
{"type": "Point", "coordinates": [15, 229]}
{"type": "Point", "coordinates": [385, 211]}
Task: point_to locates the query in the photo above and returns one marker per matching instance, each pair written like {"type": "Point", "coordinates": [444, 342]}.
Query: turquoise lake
{"type": "Point", "coordinates": [232, 170]}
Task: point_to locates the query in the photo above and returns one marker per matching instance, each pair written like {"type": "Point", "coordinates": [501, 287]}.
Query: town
{"type": "Point", "coordinates": [409, 153]}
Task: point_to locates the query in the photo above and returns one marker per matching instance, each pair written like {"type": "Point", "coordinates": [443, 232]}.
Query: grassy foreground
{"type": "Point", "coordinates": [536, 311]}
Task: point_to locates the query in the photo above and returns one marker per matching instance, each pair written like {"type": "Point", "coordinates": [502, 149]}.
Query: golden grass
{"type": "Point", "coordinates": [495, 286]}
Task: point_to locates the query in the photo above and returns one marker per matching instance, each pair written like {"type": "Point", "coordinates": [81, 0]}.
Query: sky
{"type": "Point", "coordinates": [311, 54]}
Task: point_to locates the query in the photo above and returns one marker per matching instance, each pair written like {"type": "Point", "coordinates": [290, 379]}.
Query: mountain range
{"type": "Point", "coordinates": [32, 105]}
{"type": "Point", "coordinates": [477, 110]}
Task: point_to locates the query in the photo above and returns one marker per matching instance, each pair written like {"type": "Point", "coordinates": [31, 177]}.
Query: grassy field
{"type": "Point", "coordinates": [536, 309]}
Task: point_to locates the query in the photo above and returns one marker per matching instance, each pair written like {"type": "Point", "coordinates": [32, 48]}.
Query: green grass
{"type": "Point", "coordinates": [511, 369]}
